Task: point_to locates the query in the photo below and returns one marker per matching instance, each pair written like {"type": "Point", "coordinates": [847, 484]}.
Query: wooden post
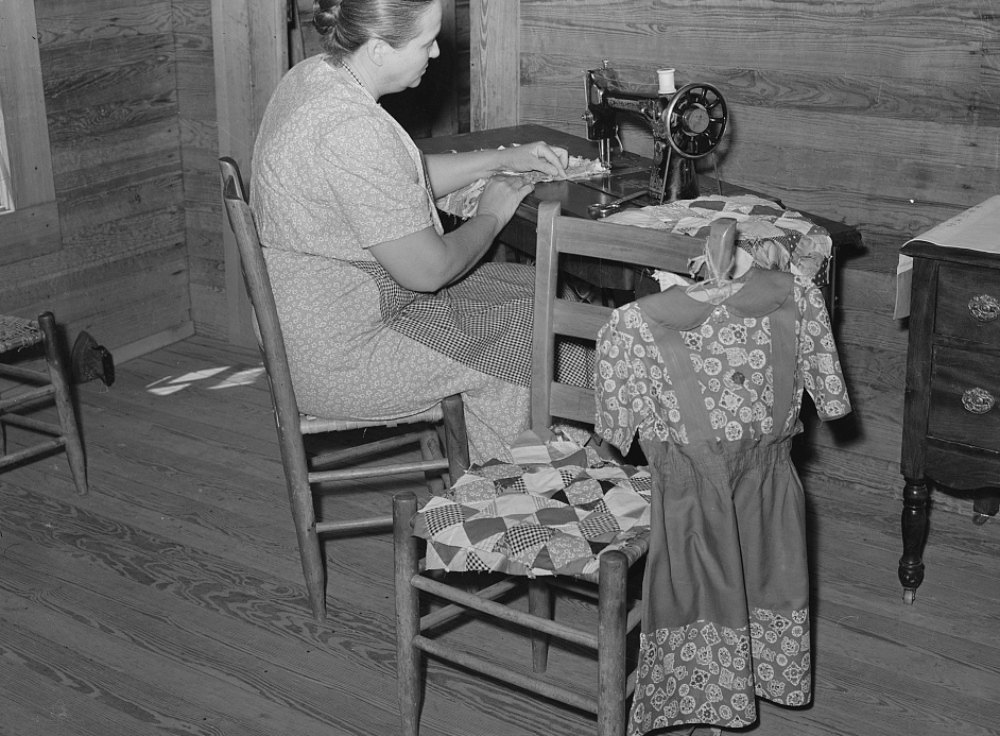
{"type": "Point", "coordinates": [446, 122]}
{"type": "Point", "coordinates": [250, 39]}
{"type": "Point", "coordinates": [494, 49]}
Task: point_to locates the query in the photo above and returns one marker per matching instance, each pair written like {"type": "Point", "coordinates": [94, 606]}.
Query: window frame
{"type": "Point", "coordinates": [32, 227]}
{"type": "Point", "coordinates": [6, 180]}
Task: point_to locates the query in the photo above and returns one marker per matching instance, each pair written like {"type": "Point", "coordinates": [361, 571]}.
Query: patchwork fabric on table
{"type": "Point", "coordinates": [553, 511]}
{"type": "Point", "coordinates": [768, 235]}
{"type": "Point", "coordinates": [464, 202]}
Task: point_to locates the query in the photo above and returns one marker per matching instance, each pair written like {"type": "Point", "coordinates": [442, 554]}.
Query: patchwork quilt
{"type": "Point", "coordinates": [767, 235]}
{"type": "Point", "coordinates": [553, 511]}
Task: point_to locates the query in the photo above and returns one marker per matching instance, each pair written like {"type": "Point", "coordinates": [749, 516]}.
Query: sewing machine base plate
{"type": "Point", "coordinates": [621, 183]}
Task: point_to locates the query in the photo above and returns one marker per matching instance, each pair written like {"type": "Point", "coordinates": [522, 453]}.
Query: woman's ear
{"type": "Point", "coordinates": [376, 49]}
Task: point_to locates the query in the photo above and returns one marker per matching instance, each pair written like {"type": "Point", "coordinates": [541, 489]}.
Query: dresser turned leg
{"type": "Point", "coordinates": [914, 525]}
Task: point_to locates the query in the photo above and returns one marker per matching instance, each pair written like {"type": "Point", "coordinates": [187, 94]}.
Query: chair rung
{"type": "Point", "coordinates": [378, 471]}
{"type": "Point", "coordinates": [532, 684]}
{"type": "Point", "coordinates": [633, 618]}
{"type": "Point", "coordinates": [319, 425]}
{"type": "Point", "coordinates": [28, 423]}
{"type": "Point", "coordinates": [498, 610]}
{"type": "Point", "coordinates": [454, 610]}
{"type": "Point", "coordinates": [335, 457]}
{"type": "Point", "coordinates": [589, 591]}
{"type": "Point", "coordinates": [27, 397]}
{"type": "Point", "coordinates": [24, 374]}
{"type": "Point", "coordinates": [584, 590]}
{"type": "Point", "coordinates": [29, 452]}
{"type": "Point", "coordinates": [372, 524]}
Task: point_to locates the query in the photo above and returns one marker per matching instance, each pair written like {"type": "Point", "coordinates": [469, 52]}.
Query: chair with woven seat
{"type": "Point", "coordinates": [304, 472]}
{"type": "Point", "coordinates": [606, 576]}
{"type": "Point", "coordinates": [50, 387]}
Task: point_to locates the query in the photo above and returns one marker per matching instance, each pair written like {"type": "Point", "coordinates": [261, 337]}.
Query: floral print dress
{"type": "Point", "coordinates": [713, 391]}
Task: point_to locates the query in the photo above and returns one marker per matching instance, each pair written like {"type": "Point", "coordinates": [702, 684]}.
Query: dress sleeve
{"type": "Point", "coordinates": [375, 180]}
{"type": "Point", "coordinates": [818, 357]}
{"type": "Point", "coordinates": [616, 421]}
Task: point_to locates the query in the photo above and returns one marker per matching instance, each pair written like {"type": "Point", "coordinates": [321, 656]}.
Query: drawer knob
{"type": "Point", "coordinates": [978, 400]}
{"type": "Point", "coordinates": [984, 307]}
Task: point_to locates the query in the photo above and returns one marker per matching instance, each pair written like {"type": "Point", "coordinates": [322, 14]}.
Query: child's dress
{"type": "Point", "coordinates": [714, 392]}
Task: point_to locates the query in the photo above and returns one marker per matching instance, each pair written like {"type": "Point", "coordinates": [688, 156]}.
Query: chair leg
{"type": "Point", "coordinates": [430, 449]}
{"type": "Point", "coordinates": [456, 439]}
{"type": "Point", "coordinates": [408, 659]}
{"type": "Point", "coordinates": [539, 604]}
{"type": "Point", "coordinates": [64, 403]}
{"type": "Point", "coordinates": [304, 518]}
{"type": "Point", "coordinates": [313, 563]}
{"type": "Point", "coordinates": [611, 714]}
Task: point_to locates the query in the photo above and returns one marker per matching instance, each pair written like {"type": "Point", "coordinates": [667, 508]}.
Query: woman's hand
{"type": "Point", "coordinates": [451, 171]}
{"type": "Point", "coordinates": [425, 261]}
{"type": "Point", "coordinates": [501, 197]}
{"type": "Point", "coordinates": [537, 156]}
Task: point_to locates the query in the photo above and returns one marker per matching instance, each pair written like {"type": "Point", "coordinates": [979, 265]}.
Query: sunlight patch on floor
{"type": "Point", "coordinates": [241, 378]}
{"type": "Point", "coordinates": [171, 384]}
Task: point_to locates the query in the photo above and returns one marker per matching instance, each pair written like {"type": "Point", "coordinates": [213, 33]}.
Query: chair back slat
{"type": "Point", "coordinates": [573, 402]}
{"type": "Point", "coordinates": [624, 244]}
{"type": "Point", "coordinates": [643, 246]}
{"type": "Point", "coordinates": [578, 319]}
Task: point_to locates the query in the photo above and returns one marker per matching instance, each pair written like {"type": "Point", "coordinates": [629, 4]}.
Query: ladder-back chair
{"type": "Point", "coordinates": [303, 473]}
{"type": "Point", "coordinates": [52, 387]}
{"type": "Point", "coordinates": [554, 317]}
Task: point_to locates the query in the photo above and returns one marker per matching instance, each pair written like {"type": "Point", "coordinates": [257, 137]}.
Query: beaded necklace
{"type": "Point", "coordinates": [356, 79]}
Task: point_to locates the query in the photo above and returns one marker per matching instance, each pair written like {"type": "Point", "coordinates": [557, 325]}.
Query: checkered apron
{"type": "Point", "coordinates": [483, 321]}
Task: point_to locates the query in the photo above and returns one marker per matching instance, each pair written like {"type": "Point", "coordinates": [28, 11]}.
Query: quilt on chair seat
{"type": "Point", "coordinates": [553, 511]}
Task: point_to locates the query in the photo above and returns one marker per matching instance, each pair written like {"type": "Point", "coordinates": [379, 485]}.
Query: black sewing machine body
{"type": "Point", "coordinates": [686, 124]}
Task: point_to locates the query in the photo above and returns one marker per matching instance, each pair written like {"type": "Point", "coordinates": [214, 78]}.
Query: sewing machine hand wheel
{"type": "Point", "coordinates": [696, 120]}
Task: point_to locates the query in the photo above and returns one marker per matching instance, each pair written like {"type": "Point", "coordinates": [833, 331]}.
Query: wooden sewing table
{"type": "Point", "coordinates": [630, 173]}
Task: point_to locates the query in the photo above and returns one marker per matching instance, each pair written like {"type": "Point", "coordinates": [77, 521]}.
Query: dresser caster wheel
{"type": "Point", "coordinates": [908, 595]}
{"type": "Point", "coordinates": [984, 507]}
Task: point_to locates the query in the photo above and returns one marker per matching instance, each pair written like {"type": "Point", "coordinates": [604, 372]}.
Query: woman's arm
{"type": "Point", "coordinates": [451, 171]}
{"type": "Point", "coordinates": [426, 261]}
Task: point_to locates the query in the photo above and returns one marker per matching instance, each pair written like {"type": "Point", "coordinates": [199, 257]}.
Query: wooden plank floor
{"type": "Point", "coordinates": [169, 600]}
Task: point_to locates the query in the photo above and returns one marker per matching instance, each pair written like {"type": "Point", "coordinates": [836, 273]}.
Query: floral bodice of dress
{"type": "Point", "coordinates": [687, 372]}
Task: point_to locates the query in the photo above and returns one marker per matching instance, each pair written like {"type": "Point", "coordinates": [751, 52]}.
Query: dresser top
{"type": "Point", "coordinates": [925, 249]}
{"type": "Point", "coordinates": [975, 230]}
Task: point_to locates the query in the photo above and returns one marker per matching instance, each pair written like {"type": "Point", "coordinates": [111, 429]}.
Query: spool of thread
{"type": "Point", "coordinates": [666, 81]}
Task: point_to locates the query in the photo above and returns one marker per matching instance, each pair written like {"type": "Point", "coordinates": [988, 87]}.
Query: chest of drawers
{"type": "Point", "coordinates": [951, 414]}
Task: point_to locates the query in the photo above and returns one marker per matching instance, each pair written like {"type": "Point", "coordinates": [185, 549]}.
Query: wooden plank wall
{"type": "Point", "coordinates": [109, 76]}
{"type": "Point", "coordinates": [881, 114]}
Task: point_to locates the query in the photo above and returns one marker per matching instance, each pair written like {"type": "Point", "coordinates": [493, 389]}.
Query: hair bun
{"type": "Point", "coordinates": [326, 15]}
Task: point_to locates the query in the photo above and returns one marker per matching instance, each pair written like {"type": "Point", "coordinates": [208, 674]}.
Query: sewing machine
{"type": "Point", "coordinates": [686, 123]}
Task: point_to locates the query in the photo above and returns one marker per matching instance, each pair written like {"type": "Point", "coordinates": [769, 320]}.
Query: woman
{"type": "Point", "coordinates": [382, 313]}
